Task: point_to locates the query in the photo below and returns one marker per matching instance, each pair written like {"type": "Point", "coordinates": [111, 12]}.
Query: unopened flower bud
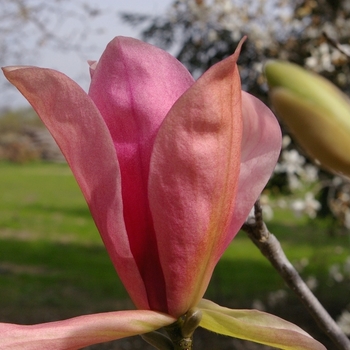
{"type": "Point", "coordinates": [316, 112]}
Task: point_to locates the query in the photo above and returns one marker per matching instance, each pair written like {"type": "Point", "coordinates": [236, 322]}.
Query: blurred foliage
{"type": "Point", "coordinates": [26, 25]}
{"type": "Point", "coordinates": [29, 29]}
{"type": "Point", "coordinates": [313, 34]}
{"type": "Point", "coordinates": [17, 120]}
{"type": "Point", "coordinates": [23, 138]}
{"type": "Point", "coordinates": [203, 32]}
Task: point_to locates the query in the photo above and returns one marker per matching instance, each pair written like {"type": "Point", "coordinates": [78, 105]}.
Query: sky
{"type": "Point", "coordinates": [74, 64]}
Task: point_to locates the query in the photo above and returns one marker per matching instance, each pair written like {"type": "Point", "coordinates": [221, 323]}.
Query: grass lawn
{"type": "Point", "coordinates": [53, 264]}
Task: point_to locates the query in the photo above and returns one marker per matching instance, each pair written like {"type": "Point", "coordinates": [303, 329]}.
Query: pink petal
{"type": "Point", "coordinates": [193, 181]}
{"type": "Point", "coordinates": [134, 86]}
{"type": "Point", "coordinates": [79, 332]}
{"type": "Point", "coordinates": [84, 139]}
{"type": "Point", "coordinates": [261, 146]}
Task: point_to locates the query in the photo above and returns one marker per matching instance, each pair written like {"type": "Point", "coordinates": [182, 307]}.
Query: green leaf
{"type": "Point", "coordinates": [256, 326]}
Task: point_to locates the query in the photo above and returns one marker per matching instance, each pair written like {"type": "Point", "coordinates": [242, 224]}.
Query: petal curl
{"type": "Point", "coordinates": [134, 85]}
{"type": "Point", "coordinates": [261, 146]}
{"type": "Point", "coordinates": [81, 133]}
{"type": "Point", "coordinates": [82, 331]}
{"type": "Point", "coordinates": [193, 181]}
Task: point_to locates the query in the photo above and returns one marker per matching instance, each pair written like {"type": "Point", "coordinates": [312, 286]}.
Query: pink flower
{"type": "Point", "coordinates": [169, 167]}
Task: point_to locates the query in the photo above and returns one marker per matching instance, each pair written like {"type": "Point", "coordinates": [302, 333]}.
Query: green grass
{"type": "Point", "coordinates": [44, 200]}
{"type": "Point", "coordinates": [53, 263]}
{"type": "Point", "coordinates": [51, 255]}
{"type": "Point", "coordinates": [243, 273]}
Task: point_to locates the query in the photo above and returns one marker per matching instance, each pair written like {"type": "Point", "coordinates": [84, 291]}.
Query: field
{"type": "Point", "coordinates": [53, 264]}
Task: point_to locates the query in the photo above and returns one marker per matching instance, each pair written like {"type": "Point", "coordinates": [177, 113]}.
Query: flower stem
{"type": "Point", "coordinates": [175, 334]}
{"type": "Point", "coordinates": [181, 332]}
{"type": "Point", "coordinates": [158, 340]}
{"type": "Point", "coordinates": [272, 250]}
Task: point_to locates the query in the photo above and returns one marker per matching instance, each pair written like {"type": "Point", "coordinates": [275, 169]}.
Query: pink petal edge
{"type": "Point", "coordinates": [261, 146]}
{"type": "Point", "coordinates": [134, 85]}
{"type": "Point", "coordinates": [193, 179]}
{"type": "Point", "coordinates": [82, 331]}
{"type": "Point", "coordinates": [78, 128]}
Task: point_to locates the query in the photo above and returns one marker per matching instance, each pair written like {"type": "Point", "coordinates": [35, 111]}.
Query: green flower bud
{"type": "Point", "coordinates": [315, 111]}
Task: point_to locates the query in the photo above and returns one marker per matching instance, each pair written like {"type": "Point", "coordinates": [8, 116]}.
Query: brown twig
{"type": "Point", "coordinates": [336, 45]}
{"type": "Point", "coordinates": [272, 250]}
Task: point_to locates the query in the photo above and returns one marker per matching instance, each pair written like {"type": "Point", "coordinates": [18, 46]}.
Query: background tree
{"type": "Point", "coordinates": [31, 29]}
{"type": "Point", "coordinates": [28, 24]}
{"type": "Point", "coordinates": [202, 32]}
{"type": "Point", "coordinates": [313, 34]}
{"type": "Point", "coordinates": [27, 29]}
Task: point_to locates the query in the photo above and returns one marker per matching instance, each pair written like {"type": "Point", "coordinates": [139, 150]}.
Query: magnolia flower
{"type": "Point", "coordinates": [170, 169]}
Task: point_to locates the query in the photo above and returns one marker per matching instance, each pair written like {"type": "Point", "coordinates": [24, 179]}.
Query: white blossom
{"type": "Point", "coordinates": [277, 297]}
{"type": "Point", "coordinates": [335, 273]}
{"type": "Point", "coordinates": [312, 282]}
{"type": "Point", "coordinates": [292, 162]}
{"type": "Point", "coordinates": [310, 173]}
{"type": "Point", "coordinates": [266, 207]}
{"type": "Point", "coordinates": [347, 267]}
{"type": "Point", "coordinates": [309, 205]}
{"type": "Point", "coordinates": [344, 322]}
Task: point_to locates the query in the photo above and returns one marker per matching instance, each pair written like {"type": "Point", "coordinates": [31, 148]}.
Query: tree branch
{"type": "Point", "coordinates": [272, 250]}
{"type": "Point", "coordinates": [336, 45]}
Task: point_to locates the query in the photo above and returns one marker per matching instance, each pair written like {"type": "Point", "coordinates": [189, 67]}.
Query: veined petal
{"type": "Point", "coordinates": [81, 133]}
{"type": "Point", "coordinates": [82, 331]}
{"type": "Point", "coordinates": [261, 146]}
{"type": "Point", "coordinates": [193, 181]}
{"type": "Point", "coordinates": [134, 85]}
